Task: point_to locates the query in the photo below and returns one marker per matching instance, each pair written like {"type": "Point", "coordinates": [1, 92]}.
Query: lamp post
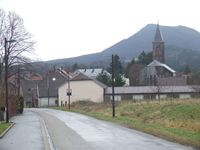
{"type": "Point", "coordinates": [6, 78]}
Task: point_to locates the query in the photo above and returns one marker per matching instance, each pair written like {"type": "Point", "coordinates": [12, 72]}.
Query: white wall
{"type": "Point", "coordinates": [81, 91]}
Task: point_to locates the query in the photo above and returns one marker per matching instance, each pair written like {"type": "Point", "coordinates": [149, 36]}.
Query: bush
{"type": "Point", "coordinates": [20, 104]}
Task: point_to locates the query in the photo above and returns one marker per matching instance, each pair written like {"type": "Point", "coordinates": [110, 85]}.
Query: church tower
{"type": "Point", "coordinates": [158, 46]}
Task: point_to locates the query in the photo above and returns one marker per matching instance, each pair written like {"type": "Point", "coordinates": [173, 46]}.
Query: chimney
{"type": "Point", "coordinates": [54, 68]}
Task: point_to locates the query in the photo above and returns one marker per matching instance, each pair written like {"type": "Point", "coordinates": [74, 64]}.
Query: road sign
{"type": "Point", "coordinates": [69, 92]}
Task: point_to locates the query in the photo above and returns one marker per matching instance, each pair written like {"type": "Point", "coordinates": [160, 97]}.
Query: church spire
{"type": "Point", "coordinates": [158, 35]}
{"type": "Point", "coordinates": [158, 46]}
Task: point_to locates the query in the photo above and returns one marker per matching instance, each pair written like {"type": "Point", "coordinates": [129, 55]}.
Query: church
{"type": "Point", "coordinates": [157, 73]}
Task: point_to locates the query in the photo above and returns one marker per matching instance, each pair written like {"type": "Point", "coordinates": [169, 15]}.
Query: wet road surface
{"type": "Point", "coordinates": [26, 134]}
{"type": "Point", "coordinates": [74, 131]}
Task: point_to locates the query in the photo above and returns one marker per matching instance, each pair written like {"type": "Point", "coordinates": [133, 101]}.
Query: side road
{"type": "Point", "coordinates": [26, 134]}
{"type": "Point", "coordinates": [41, 131]}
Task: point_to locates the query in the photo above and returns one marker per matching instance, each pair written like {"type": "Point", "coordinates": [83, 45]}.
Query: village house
{"type": "Point", "coordinates": [47, 92]}
{"type": "Point", "coordinates": [83, 88]}
{"type": "Point", "coordinates": [26, 86]}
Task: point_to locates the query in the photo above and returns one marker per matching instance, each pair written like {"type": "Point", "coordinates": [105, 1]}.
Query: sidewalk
{"type": "Point", "coordinates": [26, 134]}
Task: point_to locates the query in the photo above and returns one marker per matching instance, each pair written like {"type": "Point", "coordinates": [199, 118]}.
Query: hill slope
{"type": "Point", "coordinates": [178, 40]}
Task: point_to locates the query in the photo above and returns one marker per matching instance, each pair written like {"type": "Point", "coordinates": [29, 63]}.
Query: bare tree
{"type": "Point", "coordinates": [12, 27]}
{"type": "Point", "coordinates": [194, 81]}
{"type": "Point", "coordinates": [134, 74]}
{"type": "Point", "coordinates": [159, 88]}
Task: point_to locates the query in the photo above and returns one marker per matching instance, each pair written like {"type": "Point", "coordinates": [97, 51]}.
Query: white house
{"type": "Point", "coordinates": [83, 89]}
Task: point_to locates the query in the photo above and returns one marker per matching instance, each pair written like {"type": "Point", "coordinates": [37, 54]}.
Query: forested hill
{"type": "Point", "coordinates": [178, 40]}
{"type": "Point", "coordinates": [180, 36]}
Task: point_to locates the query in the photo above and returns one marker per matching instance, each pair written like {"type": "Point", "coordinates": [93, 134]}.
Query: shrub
{"type": "Point", "coordinates": [20, 100]}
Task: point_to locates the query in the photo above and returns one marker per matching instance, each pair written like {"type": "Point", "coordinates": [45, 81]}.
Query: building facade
{"type": "Point", "coordinates": [151, 92]}
{"type": "Point", "coordinates": [82, 88]}
{"type": "Point", "coordinates": [47, 92]}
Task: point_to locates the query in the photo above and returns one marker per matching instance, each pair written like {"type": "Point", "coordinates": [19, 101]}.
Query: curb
{"type": "Point", "coordinates": [1, 136]}
{"type": "Point", "coordinates": [46, 134]}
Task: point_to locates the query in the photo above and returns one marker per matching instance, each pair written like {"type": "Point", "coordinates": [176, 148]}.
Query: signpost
{"type": "Point", "coordinates": [69, 91]}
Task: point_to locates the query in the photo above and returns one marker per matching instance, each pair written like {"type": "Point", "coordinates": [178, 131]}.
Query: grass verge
{"type": "Point", "coordinates": [3, 127]}
{"type": "Point", "coordinates": [177, 120]}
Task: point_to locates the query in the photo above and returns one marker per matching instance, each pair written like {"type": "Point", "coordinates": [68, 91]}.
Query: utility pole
{"type": "Point", "coordinates": [18, 83]}
{"type": "Point", "coordinates": [36, 96]}
{"type": "Point", "coordinates": [6, 81]}
{"type": "Point", "coordinates": [48, 89]}
{"type": "Point", "coordinates": [113, 87]}
{"type": "Point", "coordinates": [6, 77]}
{"type": "Point", "coordinates": [68, 90]}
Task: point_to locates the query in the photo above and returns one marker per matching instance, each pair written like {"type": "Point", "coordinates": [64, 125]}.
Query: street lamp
{"type": "Point", "coordinates": [6, 77]}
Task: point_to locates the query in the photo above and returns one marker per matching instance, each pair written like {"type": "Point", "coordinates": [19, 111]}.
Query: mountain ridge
{"type": "Point", "coordinates": [180, 36]}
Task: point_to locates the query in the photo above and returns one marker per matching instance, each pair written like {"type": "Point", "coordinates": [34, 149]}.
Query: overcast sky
{"type": "Point", "coordinates": [69, 28]}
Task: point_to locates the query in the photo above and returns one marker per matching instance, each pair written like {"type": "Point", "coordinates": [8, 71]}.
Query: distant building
{"type": "Point", "coordinates": [157, 70]}
{"type": "Point", "coordinates": [29, 91]}
{"type": "Point", "coordinates": [91, 73]}
{"type": "Point", "coordinates": [171, 81]}
{"type": "Point", "coordinates": [149, 74]}
{"type": "Point", "coordinates": [47, 92]}
{"type": "Point", "coordinates": [28, 84]}
{"type": "Point", "coordinates": [150, 92]}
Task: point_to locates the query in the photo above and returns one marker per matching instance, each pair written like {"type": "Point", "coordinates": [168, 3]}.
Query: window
{"type": "Point", "coordinates": [137, 97]}
{"type": "Point", "coordinates": [184, 96]}
{"type": "Point", "coordinates": [162, 96]}
{"type": "Point", "coordinates": [116, 97]}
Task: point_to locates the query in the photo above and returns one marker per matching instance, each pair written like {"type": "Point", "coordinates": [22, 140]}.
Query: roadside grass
{"type": "Point", "coordinates": [4, 126]}
{"type": "Point", "coordinates": [175, 119]}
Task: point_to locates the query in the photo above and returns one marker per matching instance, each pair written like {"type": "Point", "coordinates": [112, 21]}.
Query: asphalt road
{"type": "Point", "coordinates": [26, 133]}
{"type": "Point", "coordinates": [72, 131]}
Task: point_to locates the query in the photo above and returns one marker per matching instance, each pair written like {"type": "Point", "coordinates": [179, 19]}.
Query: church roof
{"type": "Point", "coordinates": [157, 63]}
{"type": "Point", "coordinates": [158, 35]}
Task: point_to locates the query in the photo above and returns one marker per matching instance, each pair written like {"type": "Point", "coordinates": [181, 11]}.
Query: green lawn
{"type": "Point", "coordinates": [3, 127]}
